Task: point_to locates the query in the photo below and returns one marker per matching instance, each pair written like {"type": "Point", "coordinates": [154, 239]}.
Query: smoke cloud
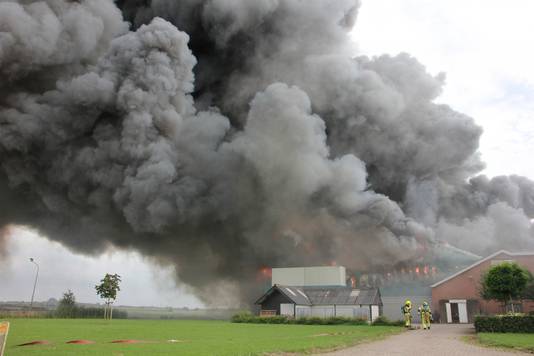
{"type": "Point", "coordinates": [4, 235]}
{"type": "Point", "coordinates": [223, 136]}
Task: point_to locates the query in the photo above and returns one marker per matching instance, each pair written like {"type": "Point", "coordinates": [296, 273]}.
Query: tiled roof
{"type": "Point", "coordinates": [511, 254]}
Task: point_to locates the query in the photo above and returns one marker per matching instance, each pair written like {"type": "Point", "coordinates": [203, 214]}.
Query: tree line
{"type": "Point", "coordinates": [107, 290]}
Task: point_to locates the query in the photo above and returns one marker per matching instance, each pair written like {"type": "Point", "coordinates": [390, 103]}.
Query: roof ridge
{"type": "Point", "coordinates": [480, 262]}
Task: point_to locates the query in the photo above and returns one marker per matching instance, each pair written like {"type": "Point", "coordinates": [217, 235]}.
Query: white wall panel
{"type": "Point", "coordinates": [346, 311]}
{"type": "Point", "coordinates": [322, 311]}
{"type": "Point", "coordinates": [375, 312]}
{"type": "Point", "coordinates": [302, 311]}
{"type": "Point", "coordinates": [310, 276]}
{"type": "Point", "coordinates": [287, 309]}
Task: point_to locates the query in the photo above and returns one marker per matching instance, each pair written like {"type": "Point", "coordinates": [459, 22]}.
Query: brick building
{"type": "Point", "coordinates": [456, 299]}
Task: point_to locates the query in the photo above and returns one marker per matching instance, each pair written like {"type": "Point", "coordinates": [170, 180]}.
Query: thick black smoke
{"type": "Point", "coordinates": [222, 136]}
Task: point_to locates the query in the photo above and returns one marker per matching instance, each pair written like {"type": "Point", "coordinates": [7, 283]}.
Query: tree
{"type": "Point", "coordinates": [107, 290]}
{"type": "Point", "coordinates": [67, 305]}
{"type": "Point", "coordinates": [505, 282]}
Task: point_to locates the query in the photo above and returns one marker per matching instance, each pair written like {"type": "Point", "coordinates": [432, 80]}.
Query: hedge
{"type": "Point", "coordinates": [71, 313]}
{"type": "Point", "coordinates": [87, 313]}
{"type": "Point", "coordinates": [382, 320]}
{"type": "Point", "coordinates": [247, 317]}
{"type": "Point", "coordinates": [505, 324]}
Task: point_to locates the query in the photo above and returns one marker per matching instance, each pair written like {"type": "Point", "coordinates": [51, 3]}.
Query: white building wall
{"type": "Point", "coordinates": [348, 311]}
{"type": "Point", "coordinates": [375, 312]}
{"type": "Point", "coordinates": [302, 311]}
{"type": "Point", "coordinates": [287, 309]}
{"type": "Point", "coordinates": [322, 311]}
{"type": "Point", "coordinates": [362, 312]}
{"type": "Point", "coordinates": [310, 276]}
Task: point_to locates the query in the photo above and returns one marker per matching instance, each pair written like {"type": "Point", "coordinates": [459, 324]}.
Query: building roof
{"type": "Point", "coordinates": [326, 295]}
{"type": "Point", "coordinates": [482, 261]}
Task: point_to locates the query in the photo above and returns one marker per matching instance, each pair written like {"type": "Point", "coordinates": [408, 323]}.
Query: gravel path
{"type": "Point", "coordinates": [440, 340]}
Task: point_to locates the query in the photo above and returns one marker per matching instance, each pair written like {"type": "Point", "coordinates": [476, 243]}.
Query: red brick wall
{"type": "Point", "coordinates": [467, 286]}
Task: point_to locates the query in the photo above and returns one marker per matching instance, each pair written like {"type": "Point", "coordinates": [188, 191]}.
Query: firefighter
{"type": "Point", "coordinates": [407, 312]}
{"type": "Point", "coordinates": [426, 315]}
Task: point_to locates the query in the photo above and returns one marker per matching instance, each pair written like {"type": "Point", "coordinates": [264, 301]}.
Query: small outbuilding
{"type": "Point", "coordinates": [319, 301]}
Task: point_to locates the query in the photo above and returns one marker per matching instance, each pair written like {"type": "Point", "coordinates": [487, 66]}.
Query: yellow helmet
{"type": "Point", "coordinates": [408, 302]}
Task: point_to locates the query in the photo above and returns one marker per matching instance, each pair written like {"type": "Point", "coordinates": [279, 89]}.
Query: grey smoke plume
{"type": "Point", "coordinates": [223, 136]}
{"type": "Point", "coordinates": [4, 235]}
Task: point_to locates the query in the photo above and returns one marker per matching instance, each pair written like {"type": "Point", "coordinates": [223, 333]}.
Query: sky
{"type": "Point", "coordinates": [484, 47]}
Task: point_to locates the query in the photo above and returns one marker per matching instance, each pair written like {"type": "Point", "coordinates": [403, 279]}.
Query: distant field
{"type": "Point", "coordinates": [193, 337]}
{"type": "Point", "coordinates": [508, 340]}
{"type": "Point", "coordinates": [173, 313]}
{"type": "Point", "coordinates": [8, 309]}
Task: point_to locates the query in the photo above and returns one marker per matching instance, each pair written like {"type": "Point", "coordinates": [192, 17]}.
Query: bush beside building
{"type": "Point", "coordinates": [505, 324]}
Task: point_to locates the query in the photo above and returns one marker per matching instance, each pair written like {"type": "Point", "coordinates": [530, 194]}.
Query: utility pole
{"type": "Point", "coordinates": [34, 283]}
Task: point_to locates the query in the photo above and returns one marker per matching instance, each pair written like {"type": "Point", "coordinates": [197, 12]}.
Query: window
{"type": "Point", "coordinates": [518, 307]}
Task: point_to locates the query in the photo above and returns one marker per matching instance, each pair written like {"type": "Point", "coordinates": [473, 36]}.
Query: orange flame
{"type": "Point", "coordinates": [264, 273]}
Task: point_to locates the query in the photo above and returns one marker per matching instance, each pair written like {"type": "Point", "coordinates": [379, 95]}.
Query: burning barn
{"type": "Point", "coordinates": [411, 280]}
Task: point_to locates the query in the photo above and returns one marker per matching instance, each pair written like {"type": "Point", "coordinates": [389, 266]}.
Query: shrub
{"type": "Point", "coordinates": [67, 306]}
{"type": "Point", "coordinates": [247, 317]}
{"type": "Point", "coordinates": [242, 317]}
{"type": "Point", "coordinates": [383, 321]}
{"type": "Point", "coordinates": [279, 319]}
{"type": "Point", "coordinates": [505, 324]}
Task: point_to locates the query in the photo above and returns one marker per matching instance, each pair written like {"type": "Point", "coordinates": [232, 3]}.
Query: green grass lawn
{"type": "Point", "coordinates": [195, 337]}
{"type": "Point", "coordinates": [508, 340]}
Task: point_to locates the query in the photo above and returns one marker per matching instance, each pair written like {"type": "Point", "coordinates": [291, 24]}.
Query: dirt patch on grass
{"type": "Point", "coordinates": [129, 341]}
{"type": "Point", "coordinates": [36, 342]}
{"type": "Point", "coordinates": [80, 342]}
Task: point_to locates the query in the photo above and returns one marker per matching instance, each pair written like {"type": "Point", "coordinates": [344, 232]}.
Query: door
{"type": "Point", "coordinates": [458, 311]}
{"type": "Point", "coordinates": [462, 312]}
{"type": "Point", "coordinates": [375, 312]}
{"type": "Point", "coordinates": [455, 315]}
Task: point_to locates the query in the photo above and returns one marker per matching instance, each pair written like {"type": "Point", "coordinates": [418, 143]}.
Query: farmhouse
{"type": "Point", "coordinates": [318, 291]}
{"type": "Point", "coordinates": [321, 302]}
{"type": "Point", "coordinates": [456, 299]}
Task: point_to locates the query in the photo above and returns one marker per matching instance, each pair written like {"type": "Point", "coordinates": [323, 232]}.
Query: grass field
{"type": "Point", "coordinates": [194, 337]}
{"type": "Point", "coordinates": [508, 340]}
